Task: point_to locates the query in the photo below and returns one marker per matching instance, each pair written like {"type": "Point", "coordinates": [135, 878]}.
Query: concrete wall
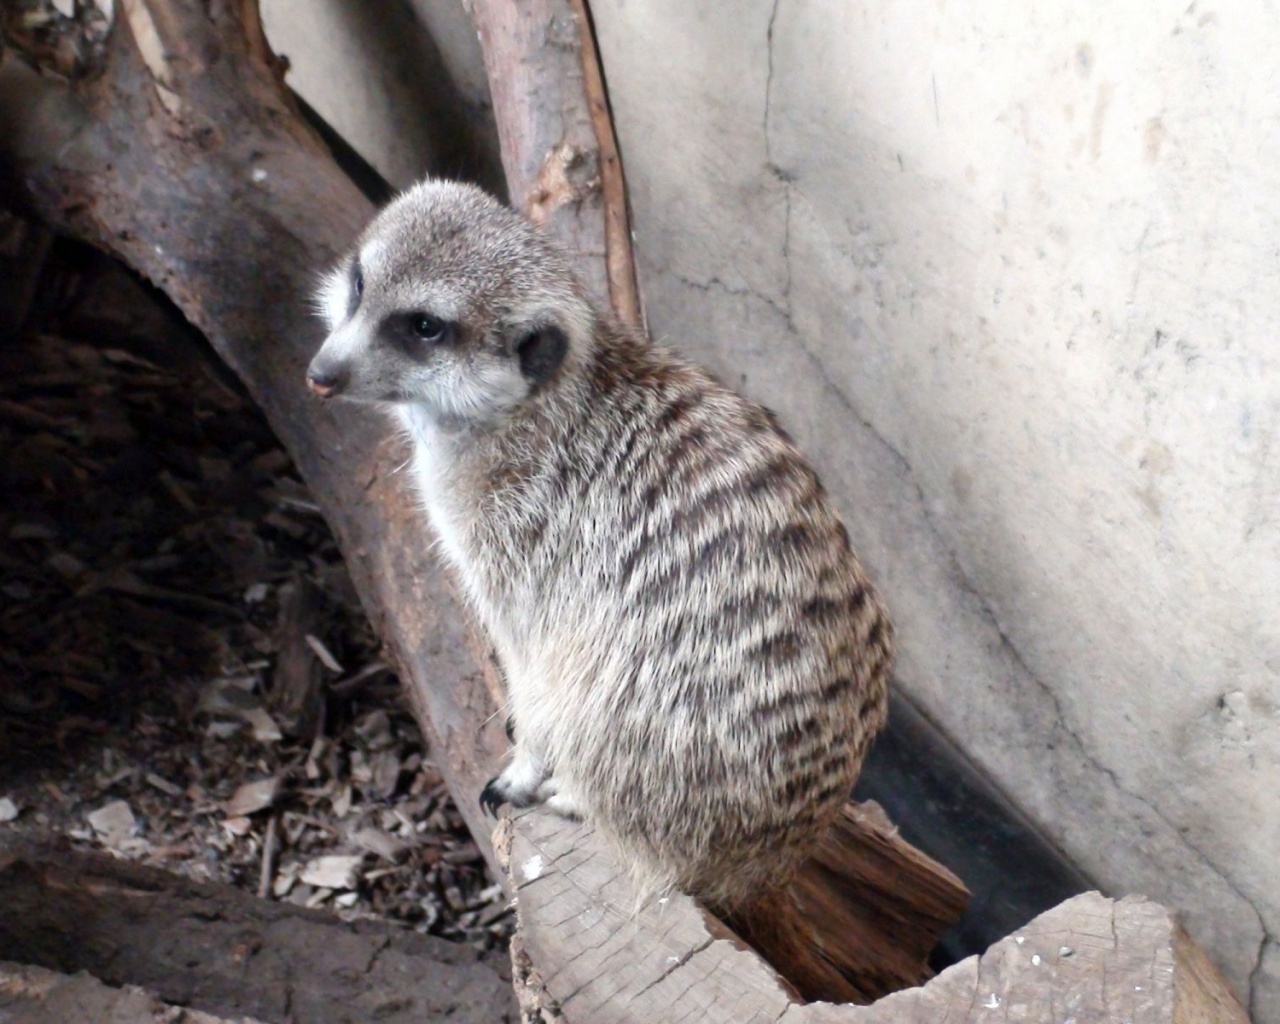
{"type": "Point", "coordinates": [1011, 273]}
{"type": "Point", "coordinates": [402, 80]}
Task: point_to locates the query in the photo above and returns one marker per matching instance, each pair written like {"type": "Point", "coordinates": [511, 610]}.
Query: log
{"type": "Point", "coordinates": [178, 149]}
{"type": "Point", "coordinates": [225, 952]}
{"type": "Point", "coordinates": [581, 956]}
{"type": "Point", "coordinates": [32, 995]}
{"type": "Point", "coordinates": [876, 904]}
{"type": "Point", "coordinates": [559, 149]}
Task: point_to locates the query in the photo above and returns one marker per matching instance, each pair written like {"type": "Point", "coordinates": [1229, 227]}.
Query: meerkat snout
{"type": "Point", "coordinates": [325, 379]}
{"type": "Point", "coordinates": [695, 660]}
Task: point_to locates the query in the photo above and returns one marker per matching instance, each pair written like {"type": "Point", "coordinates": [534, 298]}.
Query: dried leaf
{"type": "Point", "coordinates": [253, 796]}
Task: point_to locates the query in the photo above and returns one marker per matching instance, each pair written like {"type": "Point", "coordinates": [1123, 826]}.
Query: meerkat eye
{"type": "Point", "coordinates": [428, 328]}
{"type": "Point", "coordinates": [357, 289]}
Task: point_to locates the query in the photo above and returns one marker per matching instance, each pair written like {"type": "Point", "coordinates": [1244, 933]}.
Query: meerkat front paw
{"type": "Point", "coordinates": [519, 784]}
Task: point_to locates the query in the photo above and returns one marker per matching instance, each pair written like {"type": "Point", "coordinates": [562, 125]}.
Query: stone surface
{"type": "Point", "coordinates": [1008, 273]}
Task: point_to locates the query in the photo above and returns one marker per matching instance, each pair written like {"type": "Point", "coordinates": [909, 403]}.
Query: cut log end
{"type": "Point", "coordinates": [860, 922]}
{"type": "Point", "coordinates": [583, 956]}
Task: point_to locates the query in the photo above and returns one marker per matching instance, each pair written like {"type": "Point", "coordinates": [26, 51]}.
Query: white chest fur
{"type": "Point", "coordinates": [432, 461]}
{"type": "Point", "coordinates": [435, 467]}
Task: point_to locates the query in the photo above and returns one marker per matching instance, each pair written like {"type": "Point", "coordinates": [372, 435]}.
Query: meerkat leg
{"type": "Point", "coordinates": [519, 783]}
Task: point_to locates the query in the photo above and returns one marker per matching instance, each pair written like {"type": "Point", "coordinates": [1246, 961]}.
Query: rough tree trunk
{"type": "Point", "coordinates": [227, 952]}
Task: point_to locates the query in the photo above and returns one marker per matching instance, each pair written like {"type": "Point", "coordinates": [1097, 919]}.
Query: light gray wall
{"type": "Point", "coordinates": [1010, 272]}
{"type": "Point", "coordinates": [402, 80]}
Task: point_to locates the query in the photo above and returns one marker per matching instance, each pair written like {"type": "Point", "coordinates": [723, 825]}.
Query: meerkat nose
{"type": "Point", "coordinates": [325, 381]}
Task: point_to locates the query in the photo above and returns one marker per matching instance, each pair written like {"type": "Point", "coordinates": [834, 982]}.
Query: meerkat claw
{"type": "Point", "coordinates": [491, 798]}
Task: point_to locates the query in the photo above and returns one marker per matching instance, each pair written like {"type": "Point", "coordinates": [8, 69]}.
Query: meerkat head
{"type": "Point", "coordinates": [453, 302]}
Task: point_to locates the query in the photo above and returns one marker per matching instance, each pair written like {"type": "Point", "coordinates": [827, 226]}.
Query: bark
{"type": "Point", "coordinates": [226, 952]}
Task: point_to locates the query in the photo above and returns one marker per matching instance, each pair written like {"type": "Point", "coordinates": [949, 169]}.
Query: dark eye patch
{"type": "Point", "coordinates": [417, 333]}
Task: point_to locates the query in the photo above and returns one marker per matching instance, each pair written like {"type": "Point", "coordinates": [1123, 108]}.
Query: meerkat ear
{"type": "Point", "coordinates": [541, 351]}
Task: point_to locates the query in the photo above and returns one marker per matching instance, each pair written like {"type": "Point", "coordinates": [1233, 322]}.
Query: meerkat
{"type": "Point", "coordinates": [695, 660]}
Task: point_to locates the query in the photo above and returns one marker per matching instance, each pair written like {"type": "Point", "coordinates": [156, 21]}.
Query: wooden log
{"type": "Point", "coordinates": [559, 149]}
{"type": "Point", "coordinates": [583, 956]}
{"type": "Point", "coordinates": [876, 904]}
{"type": "Point", "coordinates": [226, 952]}
{"type": "Point", "coordinates": [32, 995]}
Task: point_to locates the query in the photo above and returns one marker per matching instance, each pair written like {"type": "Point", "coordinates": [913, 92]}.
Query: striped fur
{"type": "Point", "coordinates": [695, 660]}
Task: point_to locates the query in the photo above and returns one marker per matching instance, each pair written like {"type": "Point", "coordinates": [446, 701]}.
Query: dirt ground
{"type": "Point", "coordinates": [188, 680]}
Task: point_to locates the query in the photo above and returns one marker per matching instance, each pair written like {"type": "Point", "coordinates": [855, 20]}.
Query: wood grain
{"type": "Point", "coordinates": [1091, 960]}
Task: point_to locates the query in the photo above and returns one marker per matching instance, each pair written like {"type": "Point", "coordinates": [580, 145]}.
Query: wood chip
{"type": "Point", "coordinates": [66, 565]}
{"type": "Point", "coordinates": [162, 784]}
{"type": "Point", "coordinates": [262, 724]}
{"type": "Point", "coordinates": [323, 653]}
{"type": "Point", "coordinates": [32, 531]}
{"type": "Point", "coordinates": [178, 490]}
{"type": "Point", "coordinates": [285, 880]}
{"type": "Point", "coordinates": [270, 842]}
{"type": "Point", "coordinates": [253, 796]}
{"type": "Point", "coordinates": [334, 871]}
{"type": "Point", "coordinates": [380, 843]}
{"type": "Point", "coordinates": [386, 773]}
{"type": "Point", "coordinates": [113, 822]}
